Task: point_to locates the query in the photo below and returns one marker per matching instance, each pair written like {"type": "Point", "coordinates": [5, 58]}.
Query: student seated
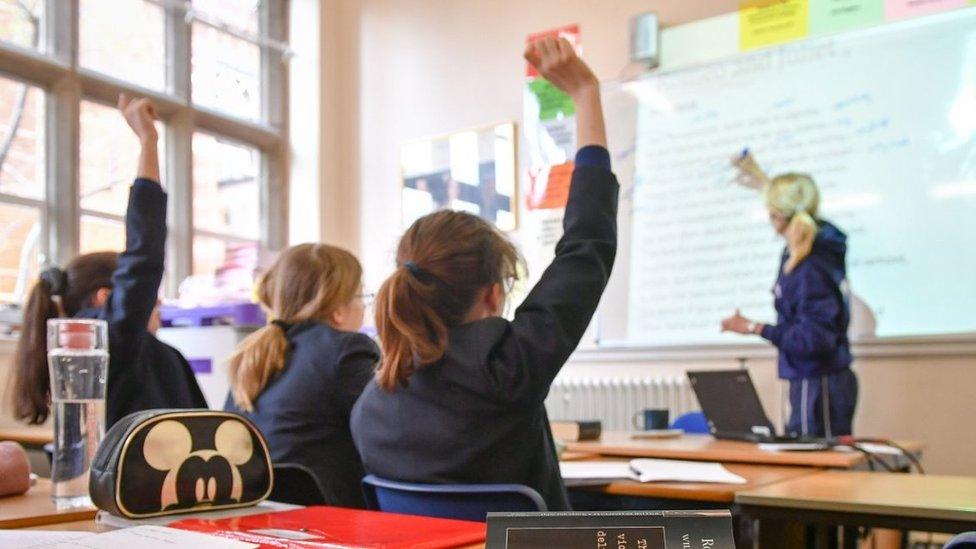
{"type": "Point", "coordinates": [458, 396]}
{"type": "Point", "coordinates": [122, 289]}
{"type": "Point", "coordinates": [298, 377]}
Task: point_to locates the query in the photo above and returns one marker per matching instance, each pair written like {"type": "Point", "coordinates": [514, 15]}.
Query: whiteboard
{"type": "Point", "coordinates": [885, 121]}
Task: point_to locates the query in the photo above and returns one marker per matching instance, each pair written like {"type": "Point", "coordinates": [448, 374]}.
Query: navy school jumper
{"type": "Point", "coordinates": [143, 372]}
{"type": "Point", "coordinates": [476, 416]}
{"type": "Point", "coordinates": [304, 411]}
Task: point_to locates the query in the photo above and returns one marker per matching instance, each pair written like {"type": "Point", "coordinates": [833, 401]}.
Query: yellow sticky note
{"type": "Point", "coordinates": [769, 22]}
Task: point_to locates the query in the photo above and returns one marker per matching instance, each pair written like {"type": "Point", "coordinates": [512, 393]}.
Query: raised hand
{"type": "Point", "coordinates": [750, 174]}
{"type": "Point", "coordinates": [558, 63]}
{"type": "Point", "coordinates": [140, 114]}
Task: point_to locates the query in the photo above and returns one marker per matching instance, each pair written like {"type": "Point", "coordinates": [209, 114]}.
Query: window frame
{"type": "Point", "coordinates": [54, 68]}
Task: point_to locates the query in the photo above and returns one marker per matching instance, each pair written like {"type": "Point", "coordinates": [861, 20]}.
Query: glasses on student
{"type": "Point", "coordinates": [367, 299]}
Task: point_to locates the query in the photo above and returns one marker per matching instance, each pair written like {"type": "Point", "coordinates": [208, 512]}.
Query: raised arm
{"type": "Point", "coordinates": [550, 322]}
{"type": "Point", "coordinates": [135, 283]}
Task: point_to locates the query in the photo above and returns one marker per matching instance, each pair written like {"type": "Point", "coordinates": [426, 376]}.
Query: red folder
{"type": "Point", "coordinates": [340, 528]}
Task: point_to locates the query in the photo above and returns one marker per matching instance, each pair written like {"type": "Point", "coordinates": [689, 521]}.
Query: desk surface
{"type": "Point", "coordinates": [705, 447]}
{"type": "Point", "coordinates": [28, 436]}
{"type": "Point", "coordinates": [756, 476]}
{"type": "Point", "coordinates": [901, 495]}
{"type": "Point", "coordinates": [35, 508]}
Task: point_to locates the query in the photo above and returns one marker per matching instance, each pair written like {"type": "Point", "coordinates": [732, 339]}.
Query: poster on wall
{"type": "Point", "coordinates": [471, 170]}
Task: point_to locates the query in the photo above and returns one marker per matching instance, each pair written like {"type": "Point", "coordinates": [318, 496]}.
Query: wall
{"type": "Point", "coordinates": [414, 68]}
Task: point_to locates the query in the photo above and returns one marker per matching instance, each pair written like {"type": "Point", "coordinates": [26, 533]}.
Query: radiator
{"type": "Point", "coordinates": [615, 400]}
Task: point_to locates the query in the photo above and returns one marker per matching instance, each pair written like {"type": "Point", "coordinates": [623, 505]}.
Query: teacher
{"type": "Point", "coordinates": [811, 305]}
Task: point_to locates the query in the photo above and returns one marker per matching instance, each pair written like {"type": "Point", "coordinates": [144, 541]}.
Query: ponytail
{"type": "Point", "coordinates": [800, 234]}
{"type": "Point", "coordinates": [57, 293]}
{"type": "Point", "coordinates": [31, 382]}
{"type": "Point", "coordinates": [795, 196]}
{"type": "Point", "coordinates": [260, 357]}
{"type": "Point", "coordinates": [306, 282]}
{"type": "Point", "coordinates": [443, 261]}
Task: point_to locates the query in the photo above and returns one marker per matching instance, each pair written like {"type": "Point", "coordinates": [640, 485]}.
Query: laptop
{"type": "Point", "coordinates": [732, 407]}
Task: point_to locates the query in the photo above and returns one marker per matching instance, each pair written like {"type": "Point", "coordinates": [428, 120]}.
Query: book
{"type": "Point", "coordinates": [611, 529]}
{"type": "Point", "coordinates": [340, 528]}
{"type": "Point", "coordinates": [575, 431]}
{"type": "Point", "coordinates": [646, 470]}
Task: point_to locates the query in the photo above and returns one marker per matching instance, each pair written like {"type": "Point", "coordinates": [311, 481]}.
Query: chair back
{"type": "Point", "coordinates": [296, 484]}
{"type": "Point", "coordinates": [453, 501]}
{"type": "Point", "coordinates": [692, 422]}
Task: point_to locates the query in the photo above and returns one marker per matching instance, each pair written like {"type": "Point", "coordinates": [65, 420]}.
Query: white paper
{"type": "Point", "coordinates": [30, 539]}
{"type": "Point", "coordinates": [650, 470]}
{"type": "Point", "coordinates": [672, 470]}
{"type": "Point", "coordinates": [792, 446]}
{"type": "Point", "coordinates": [153, 537]}
{"type": "Point", "coordinates": [872, 448]}
{"type": "Point", "coordinates": [596, 470]}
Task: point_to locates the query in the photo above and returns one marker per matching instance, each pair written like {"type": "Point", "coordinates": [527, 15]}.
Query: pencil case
{"type": "Point", "coordinates": [163, 462]}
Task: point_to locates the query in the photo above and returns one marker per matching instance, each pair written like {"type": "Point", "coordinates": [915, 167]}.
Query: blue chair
{"type": "Point", "coordinates": [965, 540]}
{"type": "Point", "coordinates": [692, 422]}
{"type": "Point", "coordinates": [453, 501]}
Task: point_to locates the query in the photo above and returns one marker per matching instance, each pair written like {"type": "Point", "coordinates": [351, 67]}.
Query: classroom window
{"type": "Point", "coordinates": [226, 68]}
{"type": "Point", "coordinates": [124, 39]}
{"type": "Point", "coordinates": [67, 158]}
{"type": "Point", "coordinates": [21, 22]}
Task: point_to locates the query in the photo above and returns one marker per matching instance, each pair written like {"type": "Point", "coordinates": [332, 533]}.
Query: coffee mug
{"type": "Point", "coordinates": [653, 419]}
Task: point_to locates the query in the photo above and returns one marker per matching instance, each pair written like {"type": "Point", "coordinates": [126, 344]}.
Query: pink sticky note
{"type": "Point", "coordinates": [900, 9]}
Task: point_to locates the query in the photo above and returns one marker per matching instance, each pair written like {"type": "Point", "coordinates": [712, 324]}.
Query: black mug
{"type": "Point", "coordinates": [654, 419]}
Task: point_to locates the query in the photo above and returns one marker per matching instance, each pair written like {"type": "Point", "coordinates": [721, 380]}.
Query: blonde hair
{"type": "Point", "coordinates": [307, 282]}
{"type": "Point", "coordinates": [795, 197]}
{"type": "Point", "coordinates": [443, 261]}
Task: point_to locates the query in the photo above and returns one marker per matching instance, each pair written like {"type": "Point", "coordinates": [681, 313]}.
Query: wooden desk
{"type": "Point", "coordinates": [756, 476]}
{"type": "Point", "coordinates": [35, 508]}
{"type": "Point", "coordinates": [35, 437]}
{"type": "Point", "coordinates": [707, 448]}
{"type": "Point", "coordinates": [930, 503]}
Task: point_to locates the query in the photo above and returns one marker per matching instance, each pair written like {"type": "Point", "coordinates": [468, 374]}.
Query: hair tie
{"type": "Point", "coordinates": [281, 324]}
{"type": "Point", "coordinates": [56, 281]}
{"type": "Point", "coordinates": [414, 269]}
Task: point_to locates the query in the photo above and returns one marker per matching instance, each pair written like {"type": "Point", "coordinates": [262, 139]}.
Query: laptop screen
{"type": "Point", "coordinates": [730, 403]}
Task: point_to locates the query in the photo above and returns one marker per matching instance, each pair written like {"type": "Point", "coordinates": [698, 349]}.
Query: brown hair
{"type": "Point", "coordinates": [306, 282]}
{"type": "Point", "coordinates": [443, 260]}
{"type": "Point", "coordinates": [56, 294]}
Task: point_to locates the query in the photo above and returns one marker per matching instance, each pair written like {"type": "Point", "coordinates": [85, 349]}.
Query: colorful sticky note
{"type": "Point", "coordinates": [828, 16]}
{"type": "Point", "coordinates": [769, 22]}
{"type": "Point", "coordinates": [900, 9]}
{"type": "Point", "coordinates": [552, 101]}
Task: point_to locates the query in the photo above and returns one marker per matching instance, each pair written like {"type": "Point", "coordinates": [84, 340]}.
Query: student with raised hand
{"type": "Point", "coordinates": [458, 396]}
{"type": "Point", "coordinates": [122, 289]}
{"type": "Point", "coordinates": [298, 377]}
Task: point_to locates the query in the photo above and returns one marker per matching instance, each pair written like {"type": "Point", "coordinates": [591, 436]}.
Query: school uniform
{"type": "Point", "coordinates": [143, 372]}
{"type": "Point", "coordinates": [476, 416]}
{"type": "Point", "coordinates": [304, 411]}
{"type": "Point", "coordinates": [813, 315]}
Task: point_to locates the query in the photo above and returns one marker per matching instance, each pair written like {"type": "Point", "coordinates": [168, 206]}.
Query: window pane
{"type": "Point", "coordinates": [21, 22]}
{"type": "Point", "coordinates": [239, 14]}
{"type": "Point", "coordinates": [226, 197]}
{"type": "Point", "coordinates": [109, 155]}
{"type": "Point", "coordinates": [20, 237]}
{"type": "Point", "coordinates": [233, 263]}
{"type": "Point", "coordinates": [101, 235]}
{"type": "Point", "coordinates": [226, 72]}
{"type": "Point", "coordinates": [124, 40]}
{"type": "Point", "coordinates": [21, 140]}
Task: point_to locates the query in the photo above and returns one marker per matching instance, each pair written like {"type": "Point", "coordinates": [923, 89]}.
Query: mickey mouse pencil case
{"type": "Point", "coordinates": [163, 462]}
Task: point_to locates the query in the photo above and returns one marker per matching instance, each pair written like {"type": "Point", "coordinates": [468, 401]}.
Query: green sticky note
{"type": "Point", "coordinates": [552, 100]}
{"type": "Point", "coordinates": [827, 16]}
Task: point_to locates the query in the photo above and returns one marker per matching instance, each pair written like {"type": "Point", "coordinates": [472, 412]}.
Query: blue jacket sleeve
{"type": "Point", "coordinates": [135, 283]}
{"type": "Point", "coordinates": [550, 322]}
{"type": "Point", "coordinates": [814, 331]}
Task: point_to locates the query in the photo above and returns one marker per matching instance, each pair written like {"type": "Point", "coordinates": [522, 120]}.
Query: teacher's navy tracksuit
{"type": "Point", "coordinates": [813, 314]}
